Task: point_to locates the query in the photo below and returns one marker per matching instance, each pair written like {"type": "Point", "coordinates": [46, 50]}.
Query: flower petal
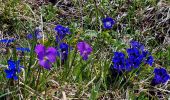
{"type": "Point", "coordinates": [40, 50]}
{"type": "Point", "coordinates": [51, 54]}
{"type": "Point", "coordinates": [85, 49]}
{"type": "Point", "coordinates": [11, 64]}
{"type": "Point", "coordinates": [9, 73]}
{"type": "Point", "coordinates": [15, 77]}
{"type": "Point", "coordinates": [85, 57]}
{"type": "Point", "coordinates": [45, 63]}
{"type": "Point", "coordinates": [81, 46]}
{"type": "Point", "coordinates": [108, 22]}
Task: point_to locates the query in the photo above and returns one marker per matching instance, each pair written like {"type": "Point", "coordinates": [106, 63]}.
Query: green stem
{"type": "Point", "coordinates": [39, 74]}
{"type": "Point", "coordinates": [71, 65]}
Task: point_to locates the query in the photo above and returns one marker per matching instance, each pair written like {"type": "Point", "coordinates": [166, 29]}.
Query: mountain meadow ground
{"type": "Point", "coordinates": [84, 49]}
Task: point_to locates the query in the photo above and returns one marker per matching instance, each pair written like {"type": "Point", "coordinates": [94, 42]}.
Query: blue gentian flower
{"type": "Point", "coordinates": [108, 23]}
{"type": "Point", "coordinates": [120, 63]}
{"type": "Point", "coordinates": [30, 36]}
{"type": "Point", "coordinates": [161, 76]}
{"type": "Point", "coordinates": [23, 49]}
{"type": "Point", "coordinates": [37, 34]}
{"type": "Point", "coordinates": [63, 50]}
{"type": "Point", "coordinates": [135, 58]}
{"type": "Point", "coordinates": [14, 68]}
{"type": "Point", "coordinates": [7, 41]}
{"type": "Point", "coordinates": [136, 55]}
{"type": "Point", "coordinates": [148, 58]}
{"type": "Point", "coordinates": [137, 45]}
{"type": "Point", "coordinates": [145, 53]}
{"type": "Point", "coordinates": [61, 32]}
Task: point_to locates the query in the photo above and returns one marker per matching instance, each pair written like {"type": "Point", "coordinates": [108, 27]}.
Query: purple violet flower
{"type": "Point", "coordinates": [85, 49]}
{"type": "Point", "coordinates": [46, 56]}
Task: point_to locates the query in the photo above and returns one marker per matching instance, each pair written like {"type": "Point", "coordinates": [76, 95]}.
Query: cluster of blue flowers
{"type": "Point", "coordinates": [136, 55]}
{"type": "Point", "coordinates": [14, 68]}
{"type": "Point", "coordinates": [61, 32]}
{"type": "Point", "coordinates": [62, 48]}
{"type": "Point", "coordinates": [161, 76]}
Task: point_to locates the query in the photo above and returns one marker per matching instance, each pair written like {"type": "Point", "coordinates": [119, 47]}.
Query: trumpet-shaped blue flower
{"type": "Point", "coordinates": [120, 63]}
{"type": "Point", "coordinates": [161, 76]}
{"type": "Point", "coordinates": [63, 50]}
{"type": "Point", "coordinates": [7, 40]}
{"type": "Point", "coordinates": [136, 55]}
{"type": "Point", "coordinates": [149, 60]}
{"type": "Point", "coordinates": [108, 23]}
{"type": "Point", "coordinates": [37, 34]}
{"type": "Point", "coordinates": [135, 58]}
{"type": "Point", "coordinates": [137, 45]}
{"type": "Point", "coordinates": [61, 32]}
{"type": "Point", "coordinates": [23, 49]}
{"type": "Point", "coordinates": [14, 68]}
